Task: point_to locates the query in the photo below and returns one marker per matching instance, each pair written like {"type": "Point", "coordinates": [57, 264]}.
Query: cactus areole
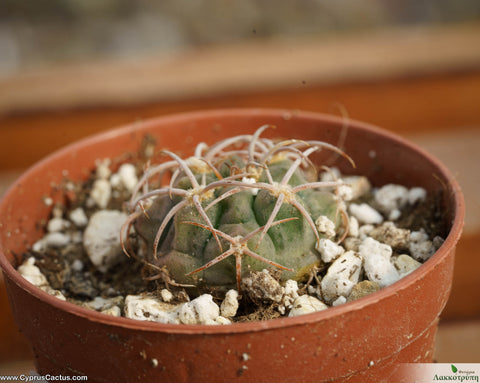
{"type": "Point", "coordinates": [245, 203]}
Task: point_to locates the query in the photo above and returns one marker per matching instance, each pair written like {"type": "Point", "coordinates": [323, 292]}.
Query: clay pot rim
{"type": "Point", "coordinates": [234, 328]}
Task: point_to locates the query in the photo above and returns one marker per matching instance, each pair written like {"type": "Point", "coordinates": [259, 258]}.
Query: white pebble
{"type": "Point", "coordinates": [420, 247]}
{"type": "Point", "coordinates": [101, 238]}
{"type": "Point", "coordinates": [306, 304]}
{"type": "Point", "coordinates": [222, 320]}
{"type": "Point", "coordinates": [32, 273]}
{"type": "Point", "coordinates": [166, 295]}
{"type": "Point", "coordinates": [101, 193]}
{"type": "Point", "coordinates": [341, 276]}
{"type": "Point", "coordinates": [103, 169]}
{"type": "Point", "coordinates": [100, 303]}
{"type": "Point", "coordinates": [325, 226]}
{"type": "Point", "coordinates": [114, 311]}
{"type": "Point", "coordinates": [329, 250]}
{"type": "Point", "coordinates": [345, 192]}
{"type": "Point", "coordinates": [359, 185]}
{"type": "Point", "coordinates": [262, 286]}
{"type": "Point", "coordinates": [128, 176]}
{"type": "Point", "coordinates": [416, 194]}
{"type": "Point", "coordinates": [78, 217]}
{"type": "Point", "coordinates": [339, 301]}
{"type": "Point", "coordinates": [54, 293]}
{"type": "Point", "coordinates": [229, 306]}
{"type": "Point", "coordinates": [418, 236]}
{"type": "Point", "coordinates": [376, 261]}
{"type": "Point", "coordinates": [77, 265]}
{"type": "Point", "coordinates": [149, 308]}
{"type": "Point", "coordinates": [405, 264]}
{"type": "Point", "coordinates": [365, 213]}
{"type": "Point", "coordinates": [394, 215]}
{"type": "Point", "coordinates": [353, 227]}
{"type": "Point", "coordinates": [56, 239]}
{"type": "Point", "coordinates": [57, 225]}
{"type": "Point", "coordinates": [291, 293]}
{"type": "Point", "coordinates": [391, 197]}
{"type": "Point", "coordinates": [421, 250]}
{"type": "Point", "coordinates": [202, 310]}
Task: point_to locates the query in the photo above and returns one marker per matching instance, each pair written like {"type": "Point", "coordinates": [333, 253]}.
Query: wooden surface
{"type": "Point", "coordinates": [425, 85]}
{"type": "Point", "coordinates": [426, 103]}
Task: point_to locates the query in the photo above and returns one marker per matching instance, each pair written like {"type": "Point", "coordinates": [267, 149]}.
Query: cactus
{"type": "Point", "coordinates": [226, 211]}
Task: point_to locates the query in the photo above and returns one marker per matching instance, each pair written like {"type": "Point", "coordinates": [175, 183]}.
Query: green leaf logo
{"type": "Point", "coordinates": [454, 369]}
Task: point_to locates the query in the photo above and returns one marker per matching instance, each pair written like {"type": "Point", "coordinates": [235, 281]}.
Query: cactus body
{"type": "Point", "coordinates": [237, 216]}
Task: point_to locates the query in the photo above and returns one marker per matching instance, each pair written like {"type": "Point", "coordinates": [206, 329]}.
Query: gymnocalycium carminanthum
{"type": "Point", "coordinates": [242, 204]}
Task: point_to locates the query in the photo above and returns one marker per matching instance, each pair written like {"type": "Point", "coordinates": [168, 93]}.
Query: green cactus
{"type": "Point", "coordinates": [225, 212]}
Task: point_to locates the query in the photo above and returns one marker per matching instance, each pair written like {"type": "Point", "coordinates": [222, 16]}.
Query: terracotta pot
{"type": "Point", "coordinates": [362, 341]}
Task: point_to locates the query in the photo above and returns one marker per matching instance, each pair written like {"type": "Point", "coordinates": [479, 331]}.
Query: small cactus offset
{"type": "Point", "coordinates": [240, 205]}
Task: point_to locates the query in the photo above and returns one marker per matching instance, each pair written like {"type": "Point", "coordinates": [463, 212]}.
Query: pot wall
{"type": "Point", "coordinates": [363, 340]}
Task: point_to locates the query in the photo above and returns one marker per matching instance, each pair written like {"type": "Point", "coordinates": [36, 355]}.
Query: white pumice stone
{"type": "Point", "coordinates": [405, 264]}
{"type": "Point", "coordinates": [345, 192]}
{"type": "Point", "coordinates": [341, 276]}
{"type": "Point", "coordinates": [360, 185]}
{"type": "Point", "coordinates": [229, 306]}
{"type": "Point", "coordinates": [306, 304]}
{"type": "Point", "coordinates": [421, 250]}
{"type": "Point", "coordinates": [416, 194]}
{"type": "Point", "coordinates": [113, 311]}
{"type": "Point", "coordinates": [57, 225]}
{"type": "Point", "coordinates": [418, 236]}
{"type": "Point", "coordinates": [365, 230]}
{"type": "Point", "coordinates": [32, 273]}
{"type": "Point", "coordinates": [56, 239]}
{"type": "Point", "coordinates": [394, 215]}
{"type": "Point", "coordinates": [103, 171]}
{"type": "Point", "coordinates": [101, 193]}
{"type": "Point", "coordinates": [202, 310]}
{"type": "Point", "coordinates": [391, 197]}
{"type": "Point", "coordinates": [101, 238]}
{"type": "Point", "coordinates": [329, 250]}
{"type": "Point", "coordinates": [365, 213]}
{"type": "Point", "coordinates": [54, 293]}
{"type": "Point", "coordinates": [166, 295]}
{"type": "Point", "coordinates": [391, 235]}
{"type": "Point", "coordinates": [420, 247]}
{"type": "Point", "coordinates": [222, 320]}
{"type": "Point", "coordinates": [149, 308]}
{"type": "Point", "coordinates": [291, 293]}
{"type": "Point", "coordinates": [78, 217]}
{"type": "Point", "coordinates": [339, 301]}
{"type": "Point", "coordinates": [325, 226]}
{"type": "Point", "coordinates": [77, 265]}
{"type": "Point", "coordinates": [128, 176]}
{"type": "Point", "coordinates": [100, 303]}
{"type": "Point", "coordinates": [376, 261]}
{"type": "Point", "coordinates": [353, 227]}
{"type": "Point", "coordinates": [39, 246]}
{"type": "Point", "coordinates": [261, 286]}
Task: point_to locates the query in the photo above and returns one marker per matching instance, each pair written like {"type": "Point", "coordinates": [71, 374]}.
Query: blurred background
{"type": "Point", "coordinates": [70, 68]}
